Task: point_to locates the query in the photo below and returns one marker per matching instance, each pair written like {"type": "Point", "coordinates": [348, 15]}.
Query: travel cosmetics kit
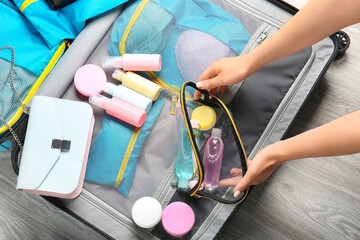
{"type": "Point", "coordinates": [130, 102]}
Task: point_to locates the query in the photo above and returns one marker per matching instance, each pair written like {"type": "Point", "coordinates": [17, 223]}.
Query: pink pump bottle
{"type": "Point", "coordinates": [213, 155]}
{"type": "Point", "coordinates": [120, 109]}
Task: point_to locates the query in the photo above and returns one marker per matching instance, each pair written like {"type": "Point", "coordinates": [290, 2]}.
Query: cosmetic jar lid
{"type": "Point", "coordinates": [89, 79]}
{"type": "Point", "coordinates": [178, 218]}
{"type": "Point", "coordinates": [206, 117]}
{"type": "Point", "coordinates": [146, 212]}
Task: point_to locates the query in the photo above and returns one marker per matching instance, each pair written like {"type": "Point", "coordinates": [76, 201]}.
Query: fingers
{"type": "Point", "coordinates": [236, 171]}
{"type": "Point", "coordinates": [208, 79]}
{"type": "Point", "coordinates": [242, 185]}
{"type": "Point", "coordinates": [223, 89]}
{"type": "Point", "coordinates": [231, 182]}
{"type": "Point", "coordinates": [212, 91]}
{"type": "Point", "coordinates": [206, 84]}
{"type": "Point", "coordinates": [197, 94]}
{"type": "Point", "coordinates": [210, 83]}
{"type": "Point", "coordinates": [210, 72]}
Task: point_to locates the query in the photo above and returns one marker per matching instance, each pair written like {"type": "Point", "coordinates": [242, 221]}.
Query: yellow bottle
{"type": "Point", "coordinates": [138, 83]}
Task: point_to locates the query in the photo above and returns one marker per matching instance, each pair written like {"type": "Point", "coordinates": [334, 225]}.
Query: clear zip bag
{"type": "Point", "coordinates": [209, 147]}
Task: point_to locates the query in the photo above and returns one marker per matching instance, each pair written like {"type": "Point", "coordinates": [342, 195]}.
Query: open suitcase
{"type": "Point", "coordinates": [263, 108]}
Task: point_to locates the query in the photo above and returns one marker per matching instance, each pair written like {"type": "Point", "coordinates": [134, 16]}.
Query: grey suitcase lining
{"type": "Point", "coordinates": [103, 206]}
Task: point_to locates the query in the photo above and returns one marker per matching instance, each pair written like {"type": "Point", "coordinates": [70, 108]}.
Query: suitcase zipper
{"type": "Point", "coordinates": [262, 37]}
{"type": "Point", "coordinates": [259, 15]}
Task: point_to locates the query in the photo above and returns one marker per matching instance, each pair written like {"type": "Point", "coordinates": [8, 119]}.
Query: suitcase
{"type": "Point", "coordinates": [261, 116]}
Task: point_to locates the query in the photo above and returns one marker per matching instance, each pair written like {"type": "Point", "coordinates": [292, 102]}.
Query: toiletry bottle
{"type": "Point", "coordinates": [138, 83]}
{"type": "Point", "coordinates": [120, 109]}
{"type": "Point", "coordinates": [133, 62]}
{"type": "Point", "coordinates": [184, 162]}
{"type": "Point", "coordinates": [213, 155]}
{"type": "Point", "coordinates": [126, 94]}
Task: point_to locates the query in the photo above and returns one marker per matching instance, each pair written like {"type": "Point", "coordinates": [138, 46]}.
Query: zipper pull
{"type": "Point", "coordinates": [174, 101]}
{"type": "Point", "coordinates": [262, 37]}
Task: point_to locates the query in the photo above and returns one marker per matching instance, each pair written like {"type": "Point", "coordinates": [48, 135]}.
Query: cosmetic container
{"type": "Point", "coordinates": [138, 83]}
{"type": "Point", "coordinates": [128, 95]}
{"type": "Point", "coordinates": [133, 62]}
{"type": "Point", "coordinates": [178, 218]}
{"type": "Point", "coordinates": [89, 79]}
{"type": "Point", "coordinates": [206, 117]}
{"type": "Point", "coordinates": [146, 212]}
{"type": "Point", "coordinates": [212, 160]}
{"type": "Point", "coordinates": [120, 109]}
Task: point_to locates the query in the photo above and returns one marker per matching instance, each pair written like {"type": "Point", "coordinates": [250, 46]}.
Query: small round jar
{"type": "Point", "coordinates": [89, 79]}
{"type": "Point", "coordinates": [178, 218]}
{"type": "Point", "coordinates": [146, 212]}
{"type": "Point", "coordinates": [206, 117]}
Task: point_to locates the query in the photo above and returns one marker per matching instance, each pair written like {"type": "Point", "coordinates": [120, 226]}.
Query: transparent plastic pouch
{"type": "Point", "coordinates": [209, 147]}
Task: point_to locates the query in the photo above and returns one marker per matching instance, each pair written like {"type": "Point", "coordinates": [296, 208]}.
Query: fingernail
{"type": "Point", "coordinates": [199, 84]}
{"type": "Point", "coordinates": [236, 194]}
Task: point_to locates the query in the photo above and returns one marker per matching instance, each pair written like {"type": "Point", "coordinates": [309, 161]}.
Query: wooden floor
{"type": "Point", "coordinates": [303, 199]}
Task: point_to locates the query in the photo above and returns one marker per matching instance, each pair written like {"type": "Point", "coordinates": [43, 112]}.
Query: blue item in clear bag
{"type": "Point", "coordinates": [184, 162]}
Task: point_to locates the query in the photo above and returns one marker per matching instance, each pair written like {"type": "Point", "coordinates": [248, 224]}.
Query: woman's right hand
{"type": "Point", "coordinates": [224, 72]}
{"type": "Point", "coordinates": [259, 169]}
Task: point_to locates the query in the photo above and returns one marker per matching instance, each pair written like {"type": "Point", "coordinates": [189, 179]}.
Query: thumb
{"type": "Point", "coordinates": [242, 185]}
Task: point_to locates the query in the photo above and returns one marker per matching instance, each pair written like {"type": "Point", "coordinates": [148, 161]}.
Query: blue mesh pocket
{"type": "Point", "coordinates": [189, 35]}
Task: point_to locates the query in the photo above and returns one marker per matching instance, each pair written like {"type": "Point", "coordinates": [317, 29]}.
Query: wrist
{"type": "Point", "coordinates": [254, 62]}
{"type": "Point", "coordinates": [276, 152]}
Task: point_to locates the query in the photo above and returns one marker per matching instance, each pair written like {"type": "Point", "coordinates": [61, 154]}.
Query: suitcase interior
{"type": "Point", "coordinates": [264, 106]}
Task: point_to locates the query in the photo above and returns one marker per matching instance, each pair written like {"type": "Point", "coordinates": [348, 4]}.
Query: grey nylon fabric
{"type": "Point", "coordinates": [103, 206]}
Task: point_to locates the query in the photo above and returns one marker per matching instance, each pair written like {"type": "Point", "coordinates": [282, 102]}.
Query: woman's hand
{"type": "Point", "coordinates": [259, 169]}
{"type": "Point", "coordinates": [224, 72]}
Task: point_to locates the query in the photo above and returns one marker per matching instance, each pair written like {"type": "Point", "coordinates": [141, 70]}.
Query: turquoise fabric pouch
{"type": "Point", "coordinates": [115, 150]}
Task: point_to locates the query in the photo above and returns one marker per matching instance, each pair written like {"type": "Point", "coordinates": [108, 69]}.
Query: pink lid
{"type": "Point", "coordinates": [178, 218]}
{"type": "Point", "coordinates": [89, 79]}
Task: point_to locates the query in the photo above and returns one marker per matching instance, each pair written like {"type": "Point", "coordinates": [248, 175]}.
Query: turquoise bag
{"type": "Point", "coordinates": [37, 37]}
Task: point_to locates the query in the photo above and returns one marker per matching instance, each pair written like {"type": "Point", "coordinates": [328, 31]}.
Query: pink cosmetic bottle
{"type": "Point", "coordinates": [213, 155]}
{"type": "Point", "coordinates": [120, 109]}
{"type": "Point", "coordinates": [133, 62]}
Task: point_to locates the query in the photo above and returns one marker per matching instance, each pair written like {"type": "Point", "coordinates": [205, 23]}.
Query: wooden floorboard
{"type": "Point", "coordinates": [28, 216]}
{"type": "Point", "coordinates": [303, 199]}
